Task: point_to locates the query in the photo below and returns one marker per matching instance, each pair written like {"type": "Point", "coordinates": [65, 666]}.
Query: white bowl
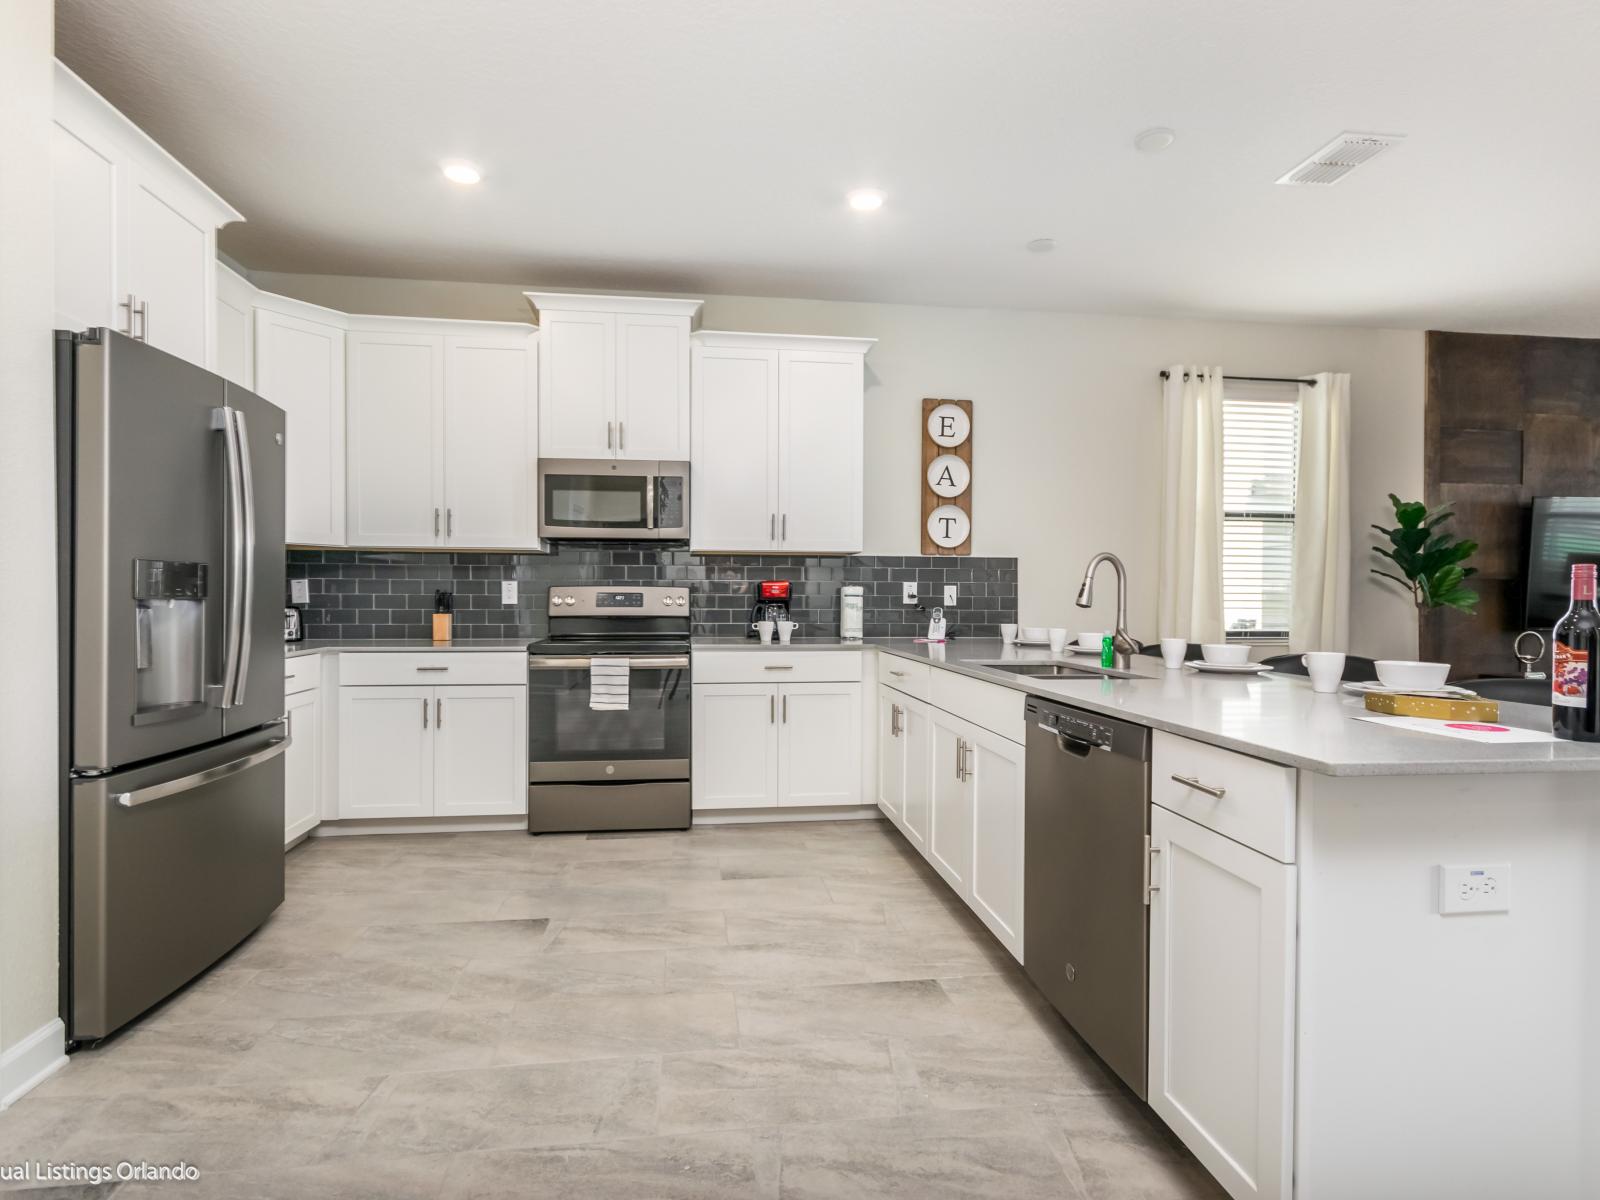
{"type": "Point", "coordinates": [1091, 641]}
{"type": "Point", "coordinates": [1034, 633]}
{"type": "Point", "coordinates": [1426, 676]}
{"type": "Point", "coordinates": [1225, 655]}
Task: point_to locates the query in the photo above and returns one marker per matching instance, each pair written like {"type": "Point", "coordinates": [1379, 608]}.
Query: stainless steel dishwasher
{"type": "Point", "coordinates": [1086, 925]}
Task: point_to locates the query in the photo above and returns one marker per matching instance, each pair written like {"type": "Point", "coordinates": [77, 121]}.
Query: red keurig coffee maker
{"type": "Point", "coordinates": [771, 594]}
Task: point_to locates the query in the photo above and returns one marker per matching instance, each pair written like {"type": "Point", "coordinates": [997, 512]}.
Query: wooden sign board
{"type": "Point", "coordinates": [947, 477]}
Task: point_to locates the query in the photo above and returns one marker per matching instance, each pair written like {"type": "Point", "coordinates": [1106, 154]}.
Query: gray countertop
{"type": "Point", "coordinates": [501, 645]}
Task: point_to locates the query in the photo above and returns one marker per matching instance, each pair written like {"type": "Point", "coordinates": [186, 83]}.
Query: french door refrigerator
{"type": "Point", "coordinates": [170, 504]}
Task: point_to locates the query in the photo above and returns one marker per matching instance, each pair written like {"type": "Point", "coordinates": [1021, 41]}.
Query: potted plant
{"type": "Point", "coordinates": [1428, 557]}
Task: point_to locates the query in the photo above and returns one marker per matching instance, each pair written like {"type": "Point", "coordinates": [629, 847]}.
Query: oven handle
{"type": "Point", "coordinates": [559, 663]}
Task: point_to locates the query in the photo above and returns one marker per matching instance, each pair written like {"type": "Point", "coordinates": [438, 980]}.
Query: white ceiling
{"type": "Point", "coordinates": [706, 146]}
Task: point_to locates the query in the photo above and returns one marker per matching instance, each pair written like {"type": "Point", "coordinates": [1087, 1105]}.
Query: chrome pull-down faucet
{"type": "Point", "coordinates": [1123, 644]}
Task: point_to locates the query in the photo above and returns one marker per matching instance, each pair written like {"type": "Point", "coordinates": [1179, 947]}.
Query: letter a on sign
{"type": "Point", "coordinates": [947, 477]}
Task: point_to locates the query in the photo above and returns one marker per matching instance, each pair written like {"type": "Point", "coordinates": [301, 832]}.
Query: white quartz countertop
{"type": "Point", "coordinates": [1276, 717]}
{"type": "Point", "coordinates": [750, 643]}
{"type": "Point", "coordinates": [398, 645]}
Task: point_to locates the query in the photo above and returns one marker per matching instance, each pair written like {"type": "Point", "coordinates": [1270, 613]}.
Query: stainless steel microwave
{"type": "Point", "coordinates": [613, 498]}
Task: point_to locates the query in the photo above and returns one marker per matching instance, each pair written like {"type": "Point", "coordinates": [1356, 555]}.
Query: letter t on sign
{"type": "Point", "coordinates": [947, 477]}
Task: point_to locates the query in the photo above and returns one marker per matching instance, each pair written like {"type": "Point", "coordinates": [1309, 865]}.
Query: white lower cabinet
{"type": "Point", "coordinates": [479, 764]}
{"type": "Point", "coordinates": [1222, 927]}
{"type": "Point", "coordinates": [950, 821]}
{"type": "Point", "coordinates": [996, 777]}
{"type": "Point", "coordinates": [891, 782]}
{"type": "Point", "coordinates": [386, 749]}
{"type": "Point", "coordinates": [302, 765]}
{"type": "Point", "coordinates": [770, 745]}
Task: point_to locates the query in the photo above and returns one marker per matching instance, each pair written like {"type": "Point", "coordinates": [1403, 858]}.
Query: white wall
{"type": "Point", "coordinates": [27, 533]}
{"type": "Point", "coordinates": [1065, 419]}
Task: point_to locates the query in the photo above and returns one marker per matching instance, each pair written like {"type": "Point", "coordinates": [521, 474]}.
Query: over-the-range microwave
{"type": "Point", "coordinates": [613, 498]}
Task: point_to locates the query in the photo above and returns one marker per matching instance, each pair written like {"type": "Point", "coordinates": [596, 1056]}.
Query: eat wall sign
{"type": "Point", "coordinates": [947, 476]}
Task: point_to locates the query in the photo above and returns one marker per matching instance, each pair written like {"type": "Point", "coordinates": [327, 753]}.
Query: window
{"type": "Point", "coordinates": [1260, 449]}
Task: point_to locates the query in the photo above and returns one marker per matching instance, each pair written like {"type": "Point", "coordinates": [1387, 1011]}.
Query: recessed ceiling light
{"type": "Point", "coordinates": [1154, 141]}
{"type": "Point", "coordinates": [1042, 245]}
{"type": "Point", "coordinates": [457, 171]}
{"type": "Point", "coordinates": [866, 199]}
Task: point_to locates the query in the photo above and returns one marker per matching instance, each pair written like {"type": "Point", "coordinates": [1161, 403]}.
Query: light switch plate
{"type": "Point", "coordinates": [299, 591]}
{"type": "Point", "coordinates": [1477, 889]}
{"type": "Point", "coordinates": [508, 591]}
{"type": "Point", "coordinates": [950, 592]}
{"type": "Point", "coordinates": [908, 593]}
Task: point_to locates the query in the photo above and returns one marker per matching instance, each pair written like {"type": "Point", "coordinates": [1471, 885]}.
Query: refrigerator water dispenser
{"type": "Point", "coordinates": [169, 637]}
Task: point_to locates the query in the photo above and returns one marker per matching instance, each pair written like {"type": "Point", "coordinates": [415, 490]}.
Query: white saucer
{"type": "Point", "coordinates": [1200, 664]}
{"type": "Point", "coordinates": [1448, 692]}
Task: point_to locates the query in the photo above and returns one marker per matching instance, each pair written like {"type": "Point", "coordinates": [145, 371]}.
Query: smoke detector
{"type": "Point", "coordinates": [1338, 158]}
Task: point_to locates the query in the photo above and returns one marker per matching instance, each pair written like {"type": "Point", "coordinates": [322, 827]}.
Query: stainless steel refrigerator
{"type": "Point", "coordinates": [170, 505]}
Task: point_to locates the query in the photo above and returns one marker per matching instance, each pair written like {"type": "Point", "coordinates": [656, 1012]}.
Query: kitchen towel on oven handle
{"type": "Point", "coordinates": [608, 684]}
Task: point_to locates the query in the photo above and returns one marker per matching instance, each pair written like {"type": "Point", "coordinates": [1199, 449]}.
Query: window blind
{"type": "Point", "coordinates": [1260, 449]}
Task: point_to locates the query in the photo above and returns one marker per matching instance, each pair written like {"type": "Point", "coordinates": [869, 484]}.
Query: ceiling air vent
{"type": "Point", "coordinates": [1338, 158]}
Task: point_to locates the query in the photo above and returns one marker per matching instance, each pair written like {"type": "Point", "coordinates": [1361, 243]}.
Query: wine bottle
{"type": "Point", "coordinates": [1575, 647]}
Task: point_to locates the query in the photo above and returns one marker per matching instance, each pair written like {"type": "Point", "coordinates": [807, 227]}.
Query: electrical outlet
{"type": "Point", "coordinates": [299, 591]}
{"type": "Point", "coordinates": [908, 593]}
{"type": "Point", "coordinates": [508, 591]}
{"type": "Point", "coordinates": [1483, 889]}
{"type": "Point", "coordinates": [950, 592]}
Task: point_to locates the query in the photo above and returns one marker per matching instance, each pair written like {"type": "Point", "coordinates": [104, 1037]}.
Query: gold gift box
{"type": "Point", "coordinates": [1435, 708]}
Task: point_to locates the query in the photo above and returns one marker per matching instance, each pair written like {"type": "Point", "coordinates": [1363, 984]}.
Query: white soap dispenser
{"type": "Point", "coordinates": [936, 626]}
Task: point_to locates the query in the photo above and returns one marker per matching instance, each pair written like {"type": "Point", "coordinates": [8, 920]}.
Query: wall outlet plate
{"type": "Point", "coordinates": [508, 591]}
{"type": "Point", "coordinates": [299, 591]}
{"type": "Point", "coordinates": [950, 593]}
{"type": "Point", "coordinates": [1475, 889]}
{"type": "Point", "coordinates": [908, 593]}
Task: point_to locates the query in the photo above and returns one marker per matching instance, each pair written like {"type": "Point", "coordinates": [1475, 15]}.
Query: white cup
{"type": "Point", "coordinates": [1173, 652]}
{"type": "Point", "coordinates": [1326, 668]}
{"type": "Point", "coordinates": [1058, 640]}
{"type": "Point", "coordinates": [1008, 634]}
{"type": "Point", "coordinates": [1091, 641]}
{"type": "Point", "coordinates": [786, 631]}
{"type": "Point", "coordinates": [763, 631]}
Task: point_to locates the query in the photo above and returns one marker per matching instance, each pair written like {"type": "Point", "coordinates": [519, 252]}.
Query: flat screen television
{"type": "Point", "coordinates": [1565, 530]}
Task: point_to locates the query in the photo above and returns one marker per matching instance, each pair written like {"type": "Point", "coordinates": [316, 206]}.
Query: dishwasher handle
{"type": "Point", "coordinates": [1068, 744]}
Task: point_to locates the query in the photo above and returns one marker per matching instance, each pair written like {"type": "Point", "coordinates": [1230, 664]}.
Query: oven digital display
{"type": "Point", "coordinates": [619, 599]}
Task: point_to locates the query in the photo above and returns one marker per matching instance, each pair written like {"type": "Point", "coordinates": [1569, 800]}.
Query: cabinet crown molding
{"type": "Point", "coordinates": [653, 306]}
{"type": "Point", "coordinates": [446, 326]}
{"type": "Point", "coordinates": [734, 340]}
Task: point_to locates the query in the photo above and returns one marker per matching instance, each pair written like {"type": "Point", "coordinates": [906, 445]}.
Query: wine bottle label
{"type": "Point", "coordinates": [1570, 681]}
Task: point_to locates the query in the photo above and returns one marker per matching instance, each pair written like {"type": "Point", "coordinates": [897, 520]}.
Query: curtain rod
{"type": "Point", "coordinates": [1253, 378]}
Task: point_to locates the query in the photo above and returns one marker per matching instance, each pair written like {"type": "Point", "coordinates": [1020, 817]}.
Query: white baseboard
{"type": "Point", "coordinates": [785, 816]}
{"type": "Point", "coordinates": [407, 825]}
{"type": "Point", "coordinates": [31, 1061]}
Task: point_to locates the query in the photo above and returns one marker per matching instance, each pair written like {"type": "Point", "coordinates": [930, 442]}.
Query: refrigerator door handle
{"type": "Point", "coordinates": [188, 783]}
{"type": "Point", "coordinates": [241, 437]}
{"type": "Point", "coordinates": [233, 593]}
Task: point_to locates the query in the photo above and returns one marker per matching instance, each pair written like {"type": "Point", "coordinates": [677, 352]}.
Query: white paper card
{"type": "Point", "coordinates": [1468, 731]}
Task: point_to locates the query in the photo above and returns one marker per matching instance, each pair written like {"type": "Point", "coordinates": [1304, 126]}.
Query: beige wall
{"type": "Point", "coordinates": [27, 532]}
{"type": "Point", "coordinates": [1065, 415]}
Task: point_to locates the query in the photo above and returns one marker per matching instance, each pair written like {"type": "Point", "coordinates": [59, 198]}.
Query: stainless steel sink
{"type": "Point", "coordinates": [1057, 670]}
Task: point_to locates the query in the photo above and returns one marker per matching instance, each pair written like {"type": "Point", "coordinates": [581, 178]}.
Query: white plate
{"type": "Point", "coordinates": [1448, 692]}
{"type": "Point", "coordinates": [1199, 664]}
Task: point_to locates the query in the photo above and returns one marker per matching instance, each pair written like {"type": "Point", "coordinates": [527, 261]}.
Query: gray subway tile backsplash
{"type": "Point", "coordinates": [389, 594]}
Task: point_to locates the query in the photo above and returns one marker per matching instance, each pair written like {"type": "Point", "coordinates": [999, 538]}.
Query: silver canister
{"type": "Point", "coordinates": [852, 611]}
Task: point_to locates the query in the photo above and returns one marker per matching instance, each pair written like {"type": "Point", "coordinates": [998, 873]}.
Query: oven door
{"type": "Point", "coordinates": [569, 742]}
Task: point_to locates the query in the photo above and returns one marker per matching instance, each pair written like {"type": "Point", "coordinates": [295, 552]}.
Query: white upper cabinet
{"type": "Point", "coordinates": [394, 409]}
{"type": "Point", "coordinates": [490, 439]}
{"type": "Point", "coordinates": [777, 448]}
{"type": "Point", "coordinates": [236, 333]}
{"type": "Point", "coordinates": [299, 366]}
{"type": "Point", "coordinates": [613, 376]}
{"type": "Point", "coordinates": [135, 232]}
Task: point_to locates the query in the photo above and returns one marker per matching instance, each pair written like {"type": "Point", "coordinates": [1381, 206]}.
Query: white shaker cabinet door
{"type": "Point", "coordinates": [819, 744]}
{"type": "Point", "coordinates": [84, 183]}
{"type": "Point", "coordinates": [236, 335]}
{"type": "Point", "coordinates": [891, 754]}
{"type": "Point", "coordinates": [490, 452]}
{"type": "Point", "coordinates": [480, 757]}
{"type": "Point", "coordinates": [577, 385]}
{"type": "Point", "coordinates": [735, 745]}
{"type": "Point", "coordinates": [1222, 920]}
{"type": "Point", "coordinates": [395, 400]}
{"type": "Point", "coordinates": [950, 822]}
{"type": "Point", "coordinates": [386, 748]}
{"type": "Point", "coordinates": [733, 503]}
{"type": "Point", "coordinates": [171, 268]}
{"type": "Point", "coordinates": [917, 810]}
{"type": "Point", "coordinates": [652, 406]}
{"type": "Point", "coordinates": [302, 765]}
{"type": "Point", "coordinates": [997, 770]}
{"type": "Point", "coordinates": [820, 403]}
{"type": "Point", "coordinates": [299, 366]}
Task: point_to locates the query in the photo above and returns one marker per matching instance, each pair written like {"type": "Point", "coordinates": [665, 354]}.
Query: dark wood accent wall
{"type": "Point", "coordinates": [1508, 418]}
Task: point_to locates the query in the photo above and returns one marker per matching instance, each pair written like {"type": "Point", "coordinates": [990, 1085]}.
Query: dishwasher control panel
{"type": "Point", "coordinates": [1083, 728]}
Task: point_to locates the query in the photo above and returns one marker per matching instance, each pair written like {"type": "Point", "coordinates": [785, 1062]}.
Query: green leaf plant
{"type": "Point", "coordinates": [1428, 558]}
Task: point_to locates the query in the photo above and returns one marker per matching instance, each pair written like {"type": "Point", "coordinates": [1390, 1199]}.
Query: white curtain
{"type": "Point", "coordinates": [1189, 591]}
{"type": "Point", "coordinates": [1320, 610]}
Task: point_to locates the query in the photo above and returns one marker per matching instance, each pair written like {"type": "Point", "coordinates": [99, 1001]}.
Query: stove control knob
{"type": "Point", "coordinates": [666, 599]}
{"type": "Point", "coordinates": [682, 600]}
{"type": "Point", "coordinates": [557, 601]}
{"type": "Point", "coordinates": [572, 599]}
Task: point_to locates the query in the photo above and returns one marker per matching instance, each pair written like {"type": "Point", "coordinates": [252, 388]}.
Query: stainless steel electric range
{"type": "Point", "coordinates": [610, 768]}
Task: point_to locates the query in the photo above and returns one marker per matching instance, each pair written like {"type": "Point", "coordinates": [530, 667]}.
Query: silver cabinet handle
{"type": "Point", "coordinates": [129, 304]}
{"type": "Point", "coordinates": [450, 522]}
{"type": "Point", "coordinates": [785, 710]}
{"type": "Point", "coordinates": [1150, 884]}
{"type": "Point", "coordinates": [144, 320]}
{"type": "Point", "coordinates": [609, 428]}
{"type": "Point", "coordinates": [622, 436]}
{"type": "Point", "coordinates": [894, 720]}
{"type": "Point", "coordinates": [772, 527]}
{"type": "Point", "coordinates": [897, 674]}
{"type": "Point", "coordinates": [784, 535]}
{"type": "Point", "coordinates": [778, 667]}
{"type": "Point", "coordinates": [1207, 789]}
{"type": "Point", "coordinates": [772, 710]}
{"type": "Point", "coordinates": [959, 745]}
{"type": "Point", "coordinates": [438, 712]}
{"type": "Point", "coordinates": [425, 669]}
{"type": "Point", "coordinates": [188, 783]}
{"type": "Point", "coordinates": [424, 712]}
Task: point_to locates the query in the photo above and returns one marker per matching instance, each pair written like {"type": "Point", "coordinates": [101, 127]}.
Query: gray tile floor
{"type": "Point", "coordinates": [738, 1011]}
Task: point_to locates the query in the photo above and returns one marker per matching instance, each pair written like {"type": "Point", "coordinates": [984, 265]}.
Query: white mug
{"type": "Point", "coordinates": [1326, 669]}
{"type": "Point", "coordinates": [1008, 634]}
{"type": "Point", "coordinates": [1173, 652]}
{"type": "Point", "coordinates": [1091, 641]}
{"type": "Point", "coordinates": [763, 631]}
{"type": "Point", "coordinates": [1058, 640]}
{"type": "Point", "coordinates": [786, 631]}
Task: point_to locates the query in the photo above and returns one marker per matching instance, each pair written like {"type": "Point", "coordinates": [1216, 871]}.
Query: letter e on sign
{"type": "Point", "coordinates": [949, 425]}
